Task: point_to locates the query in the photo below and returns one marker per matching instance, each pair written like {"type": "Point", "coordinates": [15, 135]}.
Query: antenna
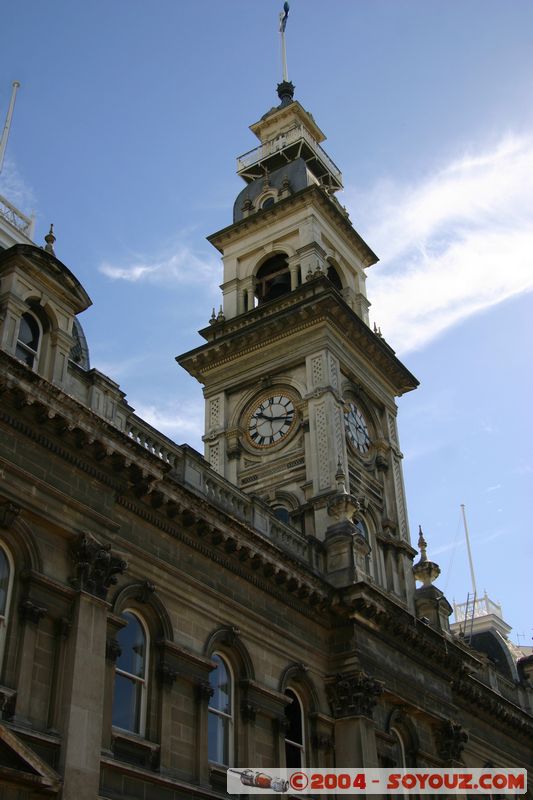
{"type": "Point", "coordinates": [282, 23]}
{"type": "Point", "coordinates": [7, 126]}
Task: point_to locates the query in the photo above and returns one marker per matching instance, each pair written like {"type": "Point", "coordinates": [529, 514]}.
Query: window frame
{"type": "Point", "coordinates": [129, 676]}
{"type": "Point", "coordinates": [217, 712]}
{"type": "Point", "coordinates": [35, 354]}
{"type": "Point", "coordinates": [4, 618]}
{"type": "Point", "coordinates": [397, 734]}
{"type": "Point", "coordinates": [301, 746]}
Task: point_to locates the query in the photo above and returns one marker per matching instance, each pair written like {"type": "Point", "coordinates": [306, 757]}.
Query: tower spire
{"type": "Point", "coordinates": [7, 126]}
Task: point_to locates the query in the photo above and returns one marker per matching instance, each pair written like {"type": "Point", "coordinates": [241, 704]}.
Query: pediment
{"type": "Point", "coordinates": [21, 766]}
{"type": "Point", "coordinates": [48, 271]}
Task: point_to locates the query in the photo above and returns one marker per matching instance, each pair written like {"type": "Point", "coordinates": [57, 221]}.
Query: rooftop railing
{"type": "Point", "coordinates": [192, 471]}
{"type": "Point", "coordinates": [279, 143]}
{"type": "Point", "coordinates": [15, 217]}
{"type": "Point", "coordinates": [483, 607]}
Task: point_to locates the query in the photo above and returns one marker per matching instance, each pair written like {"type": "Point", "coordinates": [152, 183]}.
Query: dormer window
{"type": "Point", "coordinates": [29, 340]}
{"type": "Point", "coordinates": [267, 203]}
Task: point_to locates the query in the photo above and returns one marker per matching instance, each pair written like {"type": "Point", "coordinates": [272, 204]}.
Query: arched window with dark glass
{"type": "Point", "coordinates": [283, 514]}
{"type": "Point", "coordinates": [363, 530]}
{"type": "Point", "coordinates": [398, 749]}
{"type": "Point", "coordinates": [295, 732]}
{"type": "Point", "coordinates": [131, 672]}
{"type": "Point", "coordinates": [273, 279]}
{"type": "Point", "coordinates": [29, 340]}
{"type": "Point", "coordinates": [220, 713]}
{"type": "Point", "coordinates": [6, 585]}
{"type": "Point", "coordinates": [333, 276]}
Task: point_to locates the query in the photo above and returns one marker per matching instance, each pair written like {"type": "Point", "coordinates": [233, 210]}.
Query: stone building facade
{"type": "Point", "coordinates": [164, 615]}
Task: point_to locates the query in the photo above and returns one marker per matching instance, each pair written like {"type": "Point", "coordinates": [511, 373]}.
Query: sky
{"type": "Point", "coordinates": [127, 124]}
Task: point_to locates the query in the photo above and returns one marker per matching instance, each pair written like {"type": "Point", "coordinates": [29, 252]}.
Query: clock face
{"type": "Point", "coordinates": [271, 420]}
{"type": "Point", "coordinates": [356, 428]}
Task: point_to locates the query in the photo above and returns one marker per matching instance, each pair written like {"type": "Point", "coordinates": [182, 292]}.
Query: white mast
{"type": "Point", "coordinates": [282, 23]}
{"type": "Point", "coordinates": [7, 126]}
{"type": "Point", "coordinates": [470, 561]}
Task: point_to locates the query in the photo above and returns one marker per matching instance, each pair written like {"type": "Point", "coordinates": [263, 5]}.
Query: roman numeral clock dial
{"type": "Point", "coordinates": [271, 421]}
{"type": "Point", "coordinates": [356, 429]}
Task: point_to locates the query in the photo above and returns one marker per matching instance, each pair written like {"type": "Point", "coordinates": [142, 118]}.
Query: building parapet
{"type": "Point", "coordinates": [16, 218]}
{"type": "Point", "coordinates": [191, 470]}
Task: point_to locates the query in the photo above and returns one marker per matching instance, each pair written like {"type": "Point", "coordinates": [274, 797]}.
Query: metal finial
{"type": "Point", "coordinates": [340, 477]}
{"type": "Point", "coordinates": [50, 239]}
{"type": "Point", "coordinates": [213, 318]}
{"type": "Point", "coordinates": [286, 92]}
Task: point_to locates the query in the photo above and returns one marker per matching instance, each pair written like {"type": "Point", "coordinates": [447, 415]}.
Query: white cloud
{"type": "Point", "coordinates": [14, 189]}
{"type": "Point", "coordinates": [177, 421]}
{"type": "Point", "coordinates": [457, 242]}
{"type": "Point", "coordinates": [179, 264]}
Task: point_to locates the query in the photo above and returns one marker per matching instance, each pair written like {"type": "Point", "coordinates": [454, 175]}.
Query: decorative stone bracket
{"type": "Point", "coordinates": [451, 740]}
{"type": "Point", "coordinates": [353, 695]}
{"type": "Point", "coordinates": [166, 674]}
{"type": "Point", "coordinates": [31, 612]}
{"type": "Point", "coordinates": [8, 513]}
{"type": "Point", "coordinates": [96, 566]}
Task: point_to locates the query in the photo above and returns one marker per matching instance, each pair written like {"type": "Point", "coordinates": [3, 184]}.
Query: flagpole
{"type": "Point", "coordinates": [7, 126]}
{"type": "Point", "coordinates": [284, 57]}
{"type": "Point", "coordinates": [282, 23]}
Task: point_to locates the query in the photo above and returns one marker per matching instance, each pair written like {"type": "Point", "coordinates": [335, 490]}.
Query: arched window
{"type": "Point", "coordinates": [131, 672]}
{"type": "Point", "coordinates": [398, 749]}
{"type": "Point", "coordinates": [333, 276]}
{"type": "Point", "coordinates": [363, 530]}
{"type": "Point", "coordinates": [283, 514]}
{"type": "Point", "coordinates": [29, 340]}
{"type": "Point", "coordinates": [295, 733]}
{"type": "Point", "coordinates": [273, 279]}
{"type": "Point", "coordinates": [220, 713]}
{"type": "Point", "coordinates": [268, 202]}
{"type": "Point", "coordinates": [6, 585]}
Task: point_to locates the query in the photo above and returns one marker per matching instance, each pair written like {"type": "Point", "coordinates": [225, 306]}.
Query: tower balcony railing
{"type": "Point", "coordinates": [483, 607]}
{"type": "Point", "coordinates": [297, 134]}
{"type": "Point", "coordinates": [15, 217]}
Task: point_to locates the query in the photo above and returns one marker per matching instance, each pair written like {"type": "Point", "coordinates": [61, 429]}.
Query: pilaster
{"type": "Point", "coordinates": [352, 698]}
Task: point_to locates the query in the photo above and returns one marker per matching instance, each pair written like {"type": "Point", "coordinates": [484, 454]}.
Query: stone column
{"type": "Point", "coordinates": [248, 716]}
{"type": "Point", "coordinates": [30, 615]}
{"type": "Point", "coordinates": [166, 676]}
{"type": "Point", "coordinates": [83, 699]}
{"type": "Point", "coordinates": [62, 631]}
{"type": "Point", "coordinates": [204, 692]}
{"type": "Point", "coordinates": [352, 698]}
{"type": "Point", "coordinates": [82, 707]}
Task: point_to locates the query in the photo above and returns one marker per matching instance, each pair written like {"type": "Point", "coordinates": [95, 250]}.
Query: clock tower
{"type": "Point", "coordinates": [299, 390]}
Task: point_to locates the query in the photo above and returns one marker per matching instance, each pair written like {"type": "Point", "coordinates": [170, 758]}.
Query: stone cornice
{"type": "Point", "coordinates": [313, 303]}
{"type": "Point", "coordinates": [308, 196]}
{"type": "Point", "coordinates": [485, 702]}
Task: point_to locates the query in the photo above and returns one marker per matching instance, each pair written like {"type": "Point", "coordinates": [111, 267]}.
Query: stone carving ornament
{"type": "Point", "coordinates": [96, 566]}
{"type": "Point", "coordinates": [353, 695]}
